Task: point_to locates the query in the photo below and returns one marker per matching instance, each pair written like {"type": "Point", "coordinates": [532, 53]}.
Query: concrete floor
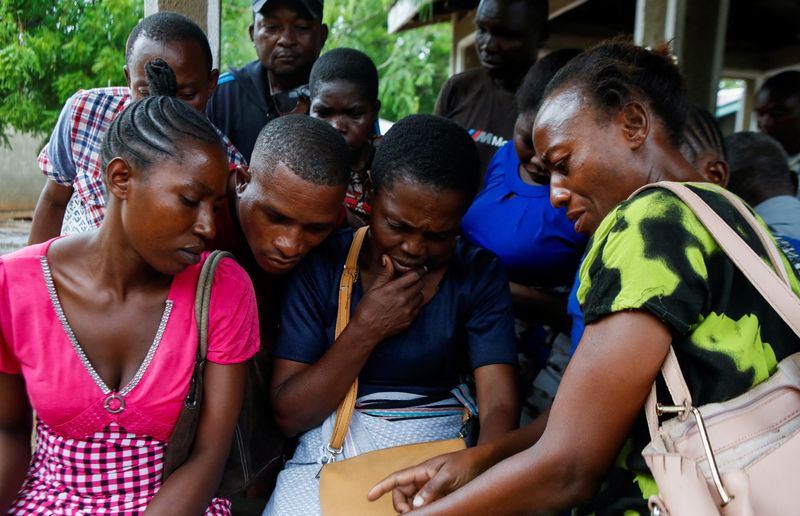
{"type": "Point", "coordinates": [14, 228]}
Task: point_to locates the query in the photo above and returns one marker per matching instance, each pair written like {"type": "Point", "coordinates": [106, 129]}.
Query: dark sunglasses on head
{"type": "Point", "coordinates": [286, 101]}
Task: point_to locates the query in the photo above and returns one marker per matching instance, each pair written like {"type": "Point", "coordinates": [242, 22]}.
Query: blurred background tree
{"type": "Point", "coordinates": [49, 50]}
{"type": "Point", "coordinates": [412, 65]}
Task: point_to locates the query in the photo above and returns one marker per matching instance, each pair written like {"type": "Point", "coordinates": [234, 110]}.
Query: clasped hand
{"type": "Point", "coordinates": [391, 304]}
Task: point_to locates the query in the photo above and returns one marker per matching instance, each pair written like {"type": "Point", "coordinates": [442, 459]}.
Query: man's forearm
{"type": "Point", "coordinates": [49, 214]}
{"type": "Point", "coordinates": [333, 374]}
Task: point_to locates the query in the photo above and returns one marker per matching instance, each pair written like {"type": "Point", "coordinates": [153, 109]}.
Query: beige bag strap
{"type": "Point", "coordinates": [777, 293]}
{"type": "Point", "coordinates": [763, 236]}
{"type": "Point", "coordinates": [349, 276]}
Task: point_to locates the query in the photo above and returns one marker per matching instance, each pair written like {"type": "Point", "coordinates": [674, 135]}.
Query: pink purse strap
{"type": "Point", "coordinates": [774, 288]}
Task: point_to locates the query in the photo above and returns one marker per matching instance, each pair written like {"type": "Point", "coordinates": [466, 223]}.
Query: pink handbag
{"type": "Point", "coordinates": [741, 456]}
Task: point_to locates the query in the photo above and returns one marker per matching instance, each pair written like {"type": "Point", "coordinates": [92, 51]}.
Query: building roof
{"type": "Point", "coordinates": [761, 34]}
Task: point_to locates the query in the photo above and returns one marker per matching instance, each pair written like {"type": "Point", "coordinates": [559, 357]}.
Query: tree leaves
{"type": "Point", "coordinates": [49, 50]}
{"type": "Point", "coordinates": [412, 65]}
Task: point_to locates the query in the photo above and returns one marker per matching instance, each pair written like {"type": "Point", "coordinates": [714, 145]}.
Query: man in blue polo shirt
{"type": "Point", "coordinates": [288, 36]}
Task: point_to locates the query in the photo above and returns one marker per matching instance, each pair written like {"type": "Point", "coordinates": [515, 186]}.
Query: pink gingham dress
{"type": "Point", "coordinates": [101, 451]}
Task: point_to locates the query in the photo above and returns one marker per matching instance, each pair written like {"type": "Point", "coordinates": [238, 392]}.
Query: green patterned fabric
{"type": "Point", "coordinates": [651, 253]}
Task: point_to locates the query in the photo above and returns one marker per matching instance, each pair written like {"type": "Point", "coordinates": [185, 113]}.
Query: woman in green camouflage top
{"type": "Point", "coordinates": [653, 277]}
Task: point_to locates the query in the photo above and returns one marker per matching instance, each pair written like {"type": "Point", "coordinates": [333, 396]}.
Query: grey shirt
{"type": "Point", "coordinates": [794, 166]}
{"type": "Point", "coordinates": [782, 215]}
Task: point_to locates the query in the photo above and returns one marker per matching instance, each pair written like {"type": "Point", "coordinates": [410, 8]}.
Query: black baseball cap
{"type": "Point", "coordinates": [313, 7]}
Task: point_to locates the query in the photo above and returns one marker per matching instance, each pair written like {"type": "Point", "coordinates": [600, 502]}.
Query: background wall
{"type": "Point", "coordinates": [20, 178]}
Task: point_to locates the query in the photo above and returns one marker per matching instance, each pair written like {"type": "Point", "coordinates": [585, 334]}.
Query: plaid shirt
{"type": "Point", "coordinates": [72, 156]}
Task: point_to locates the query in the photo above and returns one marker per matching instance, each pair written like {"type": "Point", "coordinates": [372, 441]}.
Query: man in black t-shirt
{"type": "Point", "coordinates": [288, 36]}
{"type": "Point", "coordinates": [508, 34]}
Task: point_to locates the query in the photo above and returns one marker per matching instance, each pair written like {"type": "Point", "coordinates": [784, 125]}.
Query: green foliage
{"type": "Point", "coordinates": [236, 48]}
{"type": "Point", "coordinates": [49, 50]}
{"type": "Point", "coordinates": [727, 83]}
{"type": "Point", "coordinates": [412, 64]}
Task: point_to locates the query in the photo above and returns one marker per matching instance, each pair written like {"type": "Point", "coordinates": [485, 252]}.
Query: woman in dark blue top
{"type": "Point", "coordinates": [427, 309]}
{"type": "Point", "coordinates": [461, 328]}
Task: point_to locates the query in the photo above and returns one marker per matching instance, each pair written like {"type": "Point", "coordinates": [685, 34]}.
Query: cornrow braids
{"type": "Point", "coordinates": [153, 128]}
{"type": "Point", "coordinates": [700, 134]}
{"type": "Point", "coordinates": [161, 81]}
{"type": "Point", "coordinates": [617, 72]}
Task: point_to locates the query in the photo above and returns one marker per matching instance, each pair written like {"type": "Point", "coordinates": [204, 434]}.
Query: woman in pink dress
{"type": "Point", "coordinates": [98, 335]}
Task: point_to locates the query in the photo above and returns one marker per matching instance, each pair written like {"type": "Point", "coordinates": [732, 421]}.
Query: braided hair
{"type": "Point", "coordinates": [700, 134]}
{"type": "Point", "coordinates": [161, 80]}
{"type": "Point", "coordinates": [617, 72]}
{"type": "Point", "coordinates": [153, 128]}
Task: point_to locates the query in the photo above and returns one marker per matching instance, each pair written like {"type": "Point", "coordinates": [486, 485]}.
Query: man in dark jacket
{"type": "Point", "coordinates": [288, 36]}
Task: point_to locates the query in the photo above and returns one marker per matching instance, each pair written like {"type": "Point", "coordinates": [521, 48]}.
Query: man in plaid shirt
{"type": "Point", "coordinates": [73, 200]}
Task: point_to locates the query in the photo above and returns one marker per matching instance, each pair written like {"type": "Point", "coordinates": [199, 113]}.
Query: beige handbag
{"type": "Point", "coordinates": [741, 456]}
{"type": "Point", "coordinates": [343, 485]}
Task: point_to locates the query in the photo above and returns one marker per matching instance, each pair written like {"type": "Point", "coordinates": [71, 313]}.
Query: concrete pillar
{"type": "Point", "coordinates": [20, 177]}
{"type": "Point", "coordinates": [658, 21]}
{"type": "Point", "coordinates": [697, 31]}
{"type": "Point", "coordinates": [704, 49]}
{"type": "Point", "coordinates": [206, 13]}
{"type": "Point", "coordinates": [745, 121]}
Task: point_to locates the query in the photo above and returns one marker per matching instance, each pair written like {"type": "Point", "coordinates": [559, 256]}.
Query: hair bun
{"type": "Point", "coordinates": [161, 79]}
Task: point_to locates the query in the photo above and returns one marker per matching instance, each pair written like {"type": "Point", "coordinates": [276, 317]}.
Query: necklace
{"type": "Point", "coordinates": [114, 402]}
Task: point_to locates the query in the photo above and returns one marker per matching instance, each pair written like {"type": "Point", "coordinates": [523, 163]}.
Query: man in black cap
{"type": "Point", "coordinates": [288, 36]}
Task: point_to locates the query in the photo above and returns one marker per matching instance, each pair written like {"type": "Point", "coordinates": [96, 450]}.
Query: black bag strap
{"type": "Point", "coordinates": [202, 299]}
{"type": "Point", "coordinates": [202, 302]}
{"type": "Point", "coordinates": [182, 437]}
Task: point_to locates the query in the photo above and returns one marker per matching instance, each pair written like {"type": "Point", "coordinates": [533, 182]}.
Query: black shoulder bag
{"type": "Point", "coordinates": [257, 447]}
